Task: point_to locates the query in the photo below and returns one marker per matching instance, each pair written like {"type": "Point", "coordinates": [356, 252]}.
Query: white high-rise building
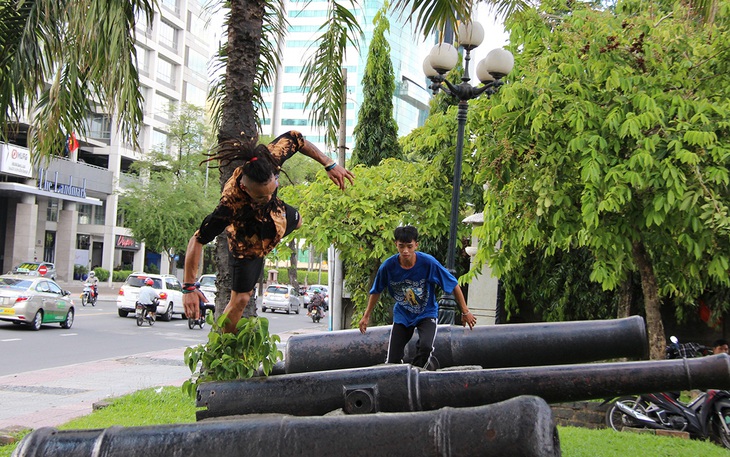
{"type": "Point", "coordinates": [65, 211]}
{"type": "Point", "coordinates": [285, 101]}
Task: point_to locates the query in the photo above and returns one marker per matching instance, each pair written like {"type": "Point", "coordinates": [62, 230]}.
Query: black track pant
{"type": "Point", "coordinates": [400, 335]}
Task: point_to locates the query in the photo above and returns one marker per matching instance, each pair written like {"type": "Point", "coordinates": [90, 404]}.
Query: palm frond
{"type": "Point", "coordinates": [322, 73]}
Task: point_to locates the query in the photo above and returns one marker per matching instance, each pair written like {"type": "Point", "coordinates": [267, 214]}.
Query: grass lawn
{"type": "Point", "coordinates": [170, 406]}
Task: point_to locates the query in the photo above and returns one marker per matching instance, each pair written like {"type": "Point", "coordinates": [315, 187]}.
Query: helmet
{"type": "Point", "coordinates": [316, 291]}
{"type": "Point", "coordinates": [92, 274]}
{"type": "Point", "coordinates": [197, 285]}
{"type": "Point", "coordinates": [148, 282]}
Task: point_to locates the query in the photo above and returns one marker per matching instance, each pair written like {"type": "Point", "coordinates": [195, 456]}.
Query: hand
{"type": "Point", "coordinates": [192, 308]}
{"type": "Point", "coordinates": [339, 174]}
{"type": "Point", "coordinates": [468, 319]}
{"type": "Point", "coordinates": [364, 324]}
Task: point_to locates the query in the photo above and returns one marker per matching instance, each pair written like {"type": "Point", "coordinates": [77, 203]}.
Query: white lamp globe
{"type": "Point", "coordinates": [483, 73]}
{"type": "Point", "coordinates": [471, 34]}
{"type": "Point", "coordinates": [428, 69]}
{"type": "Point", "coordinates": [499, 62]}
{"type": "Point", "coordinates": [443, 57]}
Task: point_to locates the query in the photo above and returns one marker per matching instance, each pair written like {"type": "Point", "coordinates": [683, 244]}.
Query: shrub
{"type": "Point", "coordinates": [101, 273]}
{"type": "Point", "coordinates": [121, 275]}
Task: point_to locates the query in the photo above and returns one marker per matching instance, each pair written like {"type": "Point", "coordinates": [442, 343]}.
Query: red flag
{"type": "Point", "coordinates": [73, 143]}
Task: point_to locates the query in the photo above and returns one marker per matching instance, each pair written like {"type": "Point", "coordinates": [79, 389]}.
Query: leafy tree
{"type": "Point", "coordinates": [153, 207]}
{"type": "Point", "coordinates": [613, 136]}
{"type": "Point", "coordinates": [376, 132]}
{"type": "Point", "coordinates": [360, 221]}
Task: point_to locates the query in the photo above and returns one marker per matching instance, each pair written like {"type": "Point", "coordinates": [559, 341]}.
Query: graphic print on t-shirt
{"type": "Point", "coordinates": [411, 295]}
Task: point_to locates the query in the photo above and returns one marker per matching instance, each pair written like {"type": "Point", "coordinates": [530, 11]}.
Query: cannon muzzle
{"type": "Point", "coordinates": [398, 388]}
{"type": "Point", "coordinates": [521, 426]}
{"type": "Point", "coordinates": [496, 346]}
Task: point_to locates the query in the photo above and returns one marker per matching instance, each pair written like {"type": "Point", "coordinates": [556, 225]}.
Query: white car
{"type": "Point", "coordinates": [282, 297]}
{"type": "Point", "coordinates": [167, 287]}
{"type": "Point", "coordinates": [207, 286]}
{"type": "Point", "coordinates": [323, 289]}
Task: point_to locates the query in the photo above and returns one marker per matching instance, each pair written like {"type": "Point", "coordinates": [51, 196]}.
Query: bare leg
{"type": "Point", "coordinates": [234, 309]}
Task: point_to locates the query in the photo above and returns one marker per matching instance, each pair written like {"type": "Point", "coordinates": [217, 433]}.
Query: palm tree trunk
{"type": "Point", "coordinates": [654, 325]}
{"type": "Point", "coordinates": [237, 114]}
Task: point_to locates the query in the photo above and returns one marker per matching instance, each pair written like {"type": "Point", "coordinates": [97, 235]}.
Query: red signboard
{"type": "Point", "coordinates": [42, 270]}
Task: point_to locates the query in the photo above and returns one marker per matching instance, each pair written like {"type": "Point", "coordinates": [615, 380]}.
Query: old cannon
{"type": "Point", "coordinates": [499, 346]}
{"type": "Point", "coordinates": [521, 426]}
{"type": "Point", "coordinates": [398, 388]}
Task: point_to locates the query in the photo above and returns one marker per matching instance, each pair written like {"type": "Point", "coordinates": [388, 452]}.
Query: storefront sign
{"type": "Point", "coordinates": [15, 160]}
{"type": "Point", "coordinates": [127, 242]}
{"type": "Point", "coordinates": [52, 184]}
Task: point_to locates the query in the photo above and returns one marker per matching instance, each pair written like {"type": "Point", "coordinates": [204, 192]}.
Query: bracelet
{"type": "Point", "coordinates": [330, 166]}
{"type": "Point", "coordinates": [188, 288]}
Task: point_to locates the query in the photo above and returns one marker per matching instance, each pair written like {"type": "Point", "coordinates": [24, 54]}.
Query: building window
{"type": "Point", "coordinates": [166, 72]}
{"type": "Point", "coordinates": [293, 122]}
{"type": "Point", "coordinates": [84, 214]}
{"type": "Point", "coordinates": [52, 210]}
{"type": "Point", "coordinates": [308, 13]}
{"type": "Point", "coordinates": [160, 140]}
{"type": "Point", "coordinates": [100, 126]}
{"type": "Point", "coordinates": [142, 60]}
{"type": "Point", "coordinates": [49, 247]}
{"type": "Point", "coordinates": [196, 25]}
{"type": "Point", "coordinates": [163, 106]}
{"type": "Point", "coordinates": [197, 62]}
{"type": "Point", "coordinates": [83, 242]}
{"type": "Point", "coordinates": [100, 214]}
{"type": "Point", "coordinates": [168, 35]}
{"type": "Point", "coordinates": [195, 95]}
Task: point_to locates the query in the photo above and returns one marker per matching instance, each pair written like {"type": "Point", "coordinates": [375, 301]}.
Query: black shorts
{"type": "Point", "coordinates": [245, 273]}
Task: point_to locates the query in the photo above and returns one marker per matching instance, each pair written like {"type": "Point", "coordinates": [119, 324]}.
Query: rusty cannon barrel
{"type": "Point", "coordinates": [495, 346]}
{"type": "Point", "coordinates": [521, 426]}
{"type": "Point", "coordinates": [398, 388]}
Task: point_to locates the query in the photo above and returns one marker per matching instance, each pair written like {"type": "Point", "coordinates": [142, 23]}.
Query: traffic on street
{"type": "Point", "coordinates": [99, 333]}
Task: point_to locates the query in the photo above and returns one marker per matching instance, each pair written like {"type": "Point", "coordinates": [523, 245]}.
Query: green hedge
{"type": "Point", "coordinates": [121, 275]}
{"type": "Point", "coordinates": [101, 273]}
{"type": "Point", "coordinates": [312, 277]}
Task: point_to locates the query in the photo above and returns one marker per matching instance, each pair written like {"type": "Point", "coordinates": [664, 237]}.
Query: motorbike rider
{"type": "Point", "coordinates": [92, 282]}
{"type": "Point", "coordinates": [202, 300]}
{"type": "Point", "coordinates": [315, 301]}
{"type": "Point", "coordinates": [148, 297]}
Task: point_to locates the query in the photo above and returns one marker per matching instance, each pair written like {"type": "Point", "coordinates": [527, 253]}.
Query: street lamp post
{"type": "Point", "coordinates": [490, 71]}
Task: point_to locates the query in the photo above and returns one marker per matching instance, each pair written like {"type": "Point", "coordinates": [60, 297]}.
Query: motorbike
{"type": "Point", "coordinates": [316, 314]}
{"type": "Point", "coordinates": [143, 314]}
{"type": "Point", "coordinates": [204, 310]}
{"type": "Point", "coordinates": [706, 416]}
{"type": "Point", "coordinates": [88, 296]}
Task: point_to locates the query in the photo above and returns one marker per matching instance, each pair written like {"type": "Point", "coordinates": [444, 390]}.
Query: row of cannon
{"type": "Point", "coordinates": [331, 396]}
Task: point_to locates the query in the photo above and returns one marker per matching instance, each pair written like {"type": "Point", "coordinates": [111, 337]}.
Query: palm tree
{"type": "Point", "coordinates": [58, 55]}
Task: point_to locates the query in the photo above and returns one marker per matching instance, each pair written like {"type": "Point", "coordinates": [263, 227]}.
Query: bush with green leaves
{"type": "Point", "coordinates": [230, 356]}
{"type": "Point", "coordinates": [101, 273]}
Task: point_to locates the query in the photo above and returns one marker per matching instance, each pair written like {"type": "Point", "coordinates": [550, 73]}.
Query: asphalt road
{"type": "Point", "coordinates": [99, 333]}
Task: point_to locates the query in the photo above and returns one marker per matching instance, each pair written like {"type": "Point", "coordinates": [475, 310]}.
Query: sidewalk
{"type": "Point", "coordinates": [53, 396]}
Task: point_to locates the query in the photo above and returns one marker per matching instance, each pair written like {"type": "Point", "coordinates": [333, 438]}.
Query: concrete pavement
{"type": "Point", "coordinates": [53, 396]}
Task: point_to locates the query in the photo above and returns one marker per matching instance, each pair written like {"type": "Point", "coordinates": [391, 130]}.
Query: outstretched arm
{"type": "Point", "coordinates": [372, 301]}
{"type": "Point", "coordinates": [336, 173]}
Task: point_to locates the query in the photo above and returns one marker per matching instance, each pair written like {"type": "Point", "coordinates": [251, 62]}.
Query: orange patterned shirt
{"type": "Point", "coordinates": [253, 231]}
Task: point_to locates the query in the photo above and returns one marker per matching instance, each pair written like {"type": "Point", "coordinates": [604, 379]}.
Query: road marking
{"type": "Point", "coordinates": [69, 334]}
{"type": "Point", "coordinates": [10, 339]}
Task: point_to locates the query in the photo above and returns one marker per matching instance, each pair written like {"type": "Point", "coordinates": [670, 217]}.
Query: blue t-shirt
{"type": "Point", "coordinates": [413, 289]}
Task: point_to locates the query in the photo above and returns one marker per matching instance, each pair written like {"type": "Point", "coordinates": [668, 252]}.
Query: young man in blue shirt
{"type": "Point", "coordinates": [410, 277]}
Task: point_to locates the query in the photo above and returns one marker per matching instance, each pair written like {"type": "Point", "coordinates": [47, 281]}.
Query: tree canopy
{"type": "Point", "coordinates": [613, 135]}
{"type": "Point", "coordinates": [376, 132]}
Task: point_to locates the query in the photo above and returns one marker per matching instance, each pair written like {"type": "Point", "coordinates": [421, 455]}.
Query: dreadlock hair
{"type": "Point", "coordinates": [259, 165]}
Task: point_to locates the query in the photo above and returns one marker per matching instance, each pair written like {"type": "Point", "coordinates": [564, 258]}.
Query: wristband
{"type": "Point", "coordinates": [188, 288]}
{"type": "Point", "coordinates": [330, 166]}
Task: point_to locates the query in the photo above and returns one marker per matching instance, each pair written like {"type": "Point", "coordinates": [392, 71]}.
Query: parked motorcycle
{"type": "Point", "coordinates": [707, 416]}
{"type": "Point", "coordinates": [88, 296]}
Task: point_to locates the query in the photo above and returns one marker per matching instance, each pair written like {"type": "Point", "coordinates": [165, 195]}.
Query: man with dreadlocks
{"type": "Point", "coordinates": [252, 215]}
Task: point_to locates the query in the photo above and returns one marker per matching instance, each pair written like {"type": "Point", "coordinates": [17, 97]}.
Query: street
{"type": "Point", "coordinates": [99, 333]}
